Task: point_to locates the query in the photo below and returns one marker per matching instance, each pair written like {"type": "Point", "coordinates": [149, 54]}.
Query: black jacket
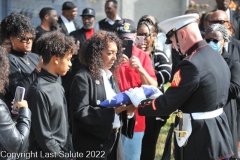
{"type": "Point", "coordinates": [50, 128]}
{"type": "Point", "coordinates": [62, 26]}
{"type": "Point", "coordinates": [21, 73]}
{"type": "Point", "coordinates": [13, 137]}
{"type": "Point", "coordinates": [234, 92]}
{"type": "Point", "coordinates": [103, 25]}
{"type": "Point", "coordinates": [79, 35]}
{"type": "Point", "coordinates": [201, 84]}
{"type": "Point", "coordinates": [234, 48]}
{"type": "Point", "coordinates": [92, 125]}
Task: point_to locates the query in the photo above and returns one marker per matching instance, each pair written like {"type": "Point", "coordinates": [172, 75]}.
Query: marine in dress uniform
{"type": "Point", "coordinates": [199, 89]}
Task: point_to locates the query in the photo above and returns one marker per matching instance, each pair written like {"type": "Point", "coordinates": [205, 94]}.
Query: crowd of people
{"type": "Point", "coordinates": [67, 71]}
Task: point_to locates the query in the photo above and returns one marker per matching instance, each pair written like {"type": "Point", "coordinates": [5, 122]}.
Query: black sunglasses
{"type": "Point", "coordinates": [212, 39]}
{"type": "Point", "coordinates": [218, 21]}
{"type": "Point", "coordinates": [25, 39]}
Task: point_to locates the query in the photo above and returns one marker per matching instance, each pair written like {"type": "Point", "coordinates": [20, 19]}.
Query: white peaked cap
{"type": "Point", "coordinates": [170, 26]}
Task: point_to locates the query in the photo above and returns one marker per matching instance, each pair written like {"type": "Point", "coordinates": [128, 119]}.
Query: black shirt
{"type": "Point", "coordinates": [49, 130]}
{"type": "Point", "coordinates": [40, 32]}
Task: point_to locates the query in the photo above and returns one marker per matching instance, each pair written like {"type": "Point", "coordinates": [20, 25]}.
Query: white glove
{"type": "Point", "coordinates": [136, 95]}
{"type": "Point", "coordinates": [156, 91]}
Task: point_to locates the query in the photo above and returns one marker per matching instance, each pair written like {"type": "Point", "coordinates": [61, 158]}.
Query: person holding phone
{"type": "Point", "coordinates": [24, 65]}
{"type": "Point", "coordinates": [134, 71]}
{"type": "Point", "coordinates": [161, 64]}
{"type": "Point", "coordinates": [13, 136]}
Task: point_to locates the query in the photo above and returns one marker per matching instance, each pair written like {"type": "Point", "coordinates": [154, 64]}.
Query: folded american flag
{"type": "Point", "coordinates": [122, 98]}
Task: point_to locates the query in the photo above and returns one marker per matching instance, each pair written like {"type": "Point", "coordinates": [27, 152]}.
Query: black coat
{"type": "Point", "coordinates": [92, 125]}
{"type": "Point", "coordinates": [62, 26]}
{"type": "Point", "coordinates": [79, 35]}
{"type": "Point", "coordinates": [234, 92]}
{"type": "Point", "coordinates": [13, 137]}
{"type": "Point", "coordinates": [201, 84]}
{"type": "Point", "coordinates": [234, 48]}
{"type": "Point", "coordinates": [21, 73]}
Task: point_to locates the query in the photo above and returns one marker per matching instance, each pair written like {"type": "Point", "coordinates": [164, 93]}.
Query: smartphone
{"type": "Point", "coordinates": [19, 96]}
{"type": "Point", "coordinates": [127, 44]}
{"type": "Point", "coordinates": [139, 40]}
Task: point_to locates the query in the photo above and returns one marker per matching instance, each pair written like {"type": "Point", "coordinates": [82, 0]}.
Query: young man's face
{"type": "Point", "coordinates": [53, 18]}
{"type": "Point", "coordinates": [64, 64]}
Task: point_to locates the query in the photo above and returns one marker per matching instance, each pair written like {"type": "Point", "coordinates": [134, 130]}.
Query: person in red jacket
{"type": "Point", "coordinates": [134, 72]}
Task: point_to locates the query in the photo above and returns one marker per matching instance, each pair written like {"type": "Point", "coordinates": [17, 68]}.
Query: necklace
{"type": "Point", "coordinates": [25, 61]}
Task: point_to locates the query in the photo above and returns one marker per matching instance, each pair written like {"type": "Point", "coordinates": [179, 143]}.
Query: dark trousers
{"type": "Point", "coordinates": [150, 137]}
{"type": "Point", "coordinates": [107, 152]}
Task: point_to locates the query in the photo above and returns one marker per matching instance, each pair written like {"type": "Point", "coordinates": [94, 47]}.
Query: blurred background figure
{"type": "Point", "coordinates": [66, 20]}
{"type": "Point", "coordinates": [49, 22]}
{"type": "Point", "coordinates": [112, 17]}
{"type": "Point", "coordinates": [207, 19]}
{"type": "Point", "coordinates": [7, 45]}
{"type": "Point", "coordinates": [81, 35]}
{"type": "Point", "coordinates": [232, 16]}
{"type": "Point", "coordinates": [88, 20]}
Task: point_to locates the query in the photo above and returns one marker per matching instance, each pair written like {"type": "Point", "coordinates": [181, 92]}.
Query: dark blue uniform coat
{"type": "Point", "coordinates": [201, 84]}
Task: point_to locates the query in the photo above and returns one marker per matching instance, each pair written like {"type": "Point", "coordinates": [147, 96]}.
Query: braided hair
{"type": "Point", "coordinates": [220, 28]}
{"type": "Point", "coordinates": [150, 24]}
{"type": "Point", "coordinates": [152, 28]}
{"type": "Point", "coordinates": [14, 25]}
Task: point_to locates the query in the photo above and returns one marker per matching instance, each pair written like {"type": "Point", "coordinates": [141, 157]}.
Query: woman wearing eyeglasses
{"type": "Point", "coordinates": [24, 65]}
{"type": "Point", "coordinates": [217, 36]}
{"type": "Point", "coordinates": [147, 28]}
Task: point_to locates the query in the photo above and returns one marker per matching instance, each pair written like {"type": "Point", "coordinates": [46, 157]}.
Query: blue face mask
{"type": "Point", "coordinates": [215, 46]}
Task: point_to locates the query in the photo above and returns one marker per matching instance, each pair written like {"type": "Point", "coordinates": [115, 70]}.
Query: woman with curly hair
{"type": "Point", "coordinates": [49, 130]}
{"type": "Point", "coordinates": [95, 129]}
{"type": "Point", "coordinates": [13, 137]}
{"type": "Point", "coordinates": [24, 65]}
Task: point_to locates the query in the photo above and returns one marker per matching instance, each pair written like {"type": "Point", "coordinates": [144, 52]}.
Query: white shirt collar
{"type": "Point", "coordinates": [110, 93]}
{"type": "Point", "coordinates": [112, 21]}
{"type": "Point", "coordinates": [228, 13]}
{"type": "Point", "coordinates": [68, 24]}
{"type": "Point", "coordinates": [64, 19]}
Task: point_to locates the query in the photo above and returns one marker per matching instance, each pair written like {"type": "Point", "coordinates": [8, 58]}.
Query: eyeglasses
{"type": "Point", "coordinates": [213, 39]}
{"type": "Point", "coordinates": [218, 21]}
{"type": "Point", "coordinates": [25, 39]}
{"type": "Point", "coordinates": [144, 34]}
